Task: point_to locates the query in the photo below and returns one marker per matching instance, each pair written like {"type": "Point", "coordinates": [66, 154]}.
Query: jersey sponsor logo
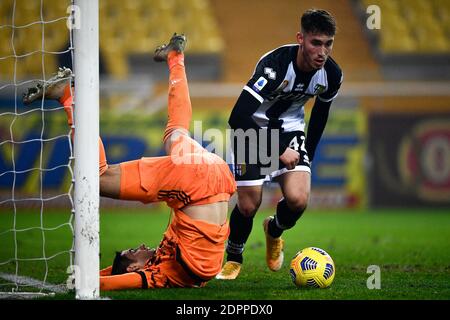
{"type": "Point", "coordinates": [259, 84]}
{"type": "Point", "coordinates": [270, 73]}
{"type": "Point", "coordinates": [299, 87]}
{"type": "Point", "coordinates": [298, 97]}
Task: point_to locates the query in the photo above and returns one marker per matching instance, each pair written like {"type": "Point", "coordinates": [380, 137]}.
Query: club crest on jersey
{"type": "Point", "coordinates": [318, 89]}
{"type": "Point", "coordinates": [240, 169]}
{"type": "Point", "coordinates": [282, 86]}
{"type": "Point", "coordinates": [259, 84]}
{"type": "Point", "coordinates": [270, 73]}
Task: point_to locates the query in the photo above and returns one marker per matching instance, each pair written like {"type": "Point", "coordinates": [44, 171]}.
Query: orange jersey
{"type": "Point", "coordinates": [190, 254]}
{"type": "Point", "coordinates": [201, 244]}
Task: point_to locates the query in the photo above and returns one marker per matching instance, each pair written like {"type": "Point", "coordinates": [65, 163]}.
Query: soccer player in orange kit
{"type": "Point", "coordinates": [195, 184]}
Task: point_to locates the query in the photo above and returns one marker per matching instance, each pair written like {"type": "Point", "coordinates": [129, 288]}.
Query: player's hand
{"type": "Point", "coordinates": [290, 158]}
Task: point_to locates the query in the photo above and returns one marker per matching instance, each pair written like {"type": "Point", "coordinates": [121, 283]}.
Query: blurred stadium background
{"type": "Point", "coordinates": [387, 142]}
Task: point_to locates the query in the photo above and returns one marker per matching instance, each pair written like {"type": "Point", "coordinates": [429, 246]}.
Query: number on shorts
{"type": "Point", "coordinates": [294, 144]}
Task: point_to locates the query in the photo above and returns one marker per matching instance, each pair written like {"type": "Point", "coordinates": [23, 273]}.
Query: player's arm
{"type": "Point", "coordinates": [241, 115]}
{"type": "Point", "coordinates": [316, 126]}
{"type": "Point", "coordinates": [260, 87]}
{"type": "Point", "coordinates": [321, 109]}
{"type": "Point", "coordinates": [131, 280]}
{"type": "Point", "coordinates": [106, 271]}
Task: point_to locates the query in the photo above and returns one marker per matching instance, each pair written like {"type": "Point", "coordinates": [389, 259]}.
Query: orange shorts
{"type": "Point", "coordinates": [189, 175]}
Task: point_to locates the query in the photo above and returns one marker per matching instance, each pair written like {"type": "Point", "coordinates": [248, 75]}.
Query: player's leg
{"type": "Point", "coordinates": [179, 102]}
{"type": "Point", "coordinates": [241, 224]}
{"type": "Point", "coordinates": [119, 181]}
{"type": "Point", "coordinates": [249, 181]}
{"type": "Point", "coordinates": [249, 195]}
{"type": "Point", "coordinates": [60, 88]}
{"type": "Point", "coordinates": [296, 187]}
{"type": "Point", "coordinates": [176, 132]}
{"type": "Point", "coordinates": [109, 175]}
{"type": "Point", "coordinates": [241, 220]}
{"type": "Point", "coordinates": [124, 181]}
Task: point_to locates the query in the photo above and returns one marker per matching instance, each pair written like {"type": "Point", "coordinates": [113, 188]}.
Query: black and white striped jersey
{"type": "Point", "coordinates": [282, 89]}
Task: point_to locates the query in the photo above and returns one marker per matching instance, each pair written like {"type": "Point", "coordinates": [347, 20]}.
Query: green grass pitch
{"type": "Point", "coordinates": [411, 247]}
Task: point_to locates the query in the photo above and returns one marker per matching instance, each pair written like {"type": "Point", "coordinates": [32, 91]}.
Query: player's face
{"type": "Point", "coordinates": [314, 49]}
{"type": "Point", "coordinates": [139, 256]}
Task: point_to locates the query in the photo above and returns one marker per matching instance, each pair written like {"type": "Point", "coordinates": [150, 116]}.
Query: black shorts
{"type": "Point", "coordinates": [254, 173]}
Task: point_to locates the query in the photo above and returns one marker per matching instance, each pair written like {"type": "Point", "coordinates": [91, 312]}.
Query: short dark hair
{"type": "Point", "coordinates": [120, 264]}
{"type": "Point", "coordinates": [318, 21]}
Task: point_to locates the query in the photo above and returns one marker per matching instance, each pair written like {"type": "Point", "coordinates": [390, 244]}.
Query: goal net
{"type": "Point", "coordinates": [49, 238]}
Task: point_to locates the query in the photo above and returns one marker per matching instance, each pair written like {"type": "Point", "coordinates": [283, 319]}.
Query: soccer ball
{"type": "Point", "coordinates": [312, 267]}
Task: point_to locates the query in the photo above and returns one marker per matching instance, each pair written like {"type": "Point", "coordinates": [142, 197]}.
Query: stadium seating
{"type": "Point", "coordinates": [126, 27]}
{"type": "Point", "coordinates": [413, 26]}
{"type": "Point", "coordinates": [137, 27]}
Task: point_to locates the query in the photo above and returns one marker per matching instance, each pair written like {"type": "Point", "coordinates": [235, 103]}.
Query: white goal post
{"type": "Point", "coordinates": [86, 197]}
{"type": "Point", "coordinates": [28, 251]}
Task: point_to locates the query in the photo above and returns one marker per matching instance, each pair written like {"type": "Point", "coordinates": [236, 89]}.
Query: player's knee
{"type": "Point", "coordinates": [249, 202]}
{"type": "Point", "coordinates": [298, 203]}
{"type": "Point", "coordinates": [110, 182]}
{"type": "Point", "coordinates": [287, 217]}
{"type": "Point", "coordinates": [171, 137]}
{"type": "Point", "coordinates": [248, 208]}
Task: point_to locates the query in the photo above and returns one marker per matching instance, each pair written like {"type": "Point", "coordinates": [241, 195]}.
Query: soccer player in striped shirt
{"type": "Point", "coordinates": [273, 100]}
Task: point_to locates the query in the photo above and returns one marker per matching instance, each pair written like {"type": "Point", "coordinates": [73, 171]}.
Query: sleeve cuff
{"type": "Point", "coordinates": [254, 94]}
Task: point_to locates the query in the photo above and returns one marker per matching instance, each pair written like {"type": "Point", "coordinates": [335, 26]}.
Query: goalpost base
{"type": "Point", "coordinates": [24, 295]}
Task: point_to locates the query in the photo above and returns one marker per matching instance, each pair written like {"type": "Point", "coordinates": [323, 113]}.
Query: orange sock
{"type": "Point", "coordinates": [67, 100]}
{"type": "Point", "coordinates": [102, 163]}
{"type": "Point", "coordinates": [174, 58]}
{"type": "Point", "coordinates": [179, 104]}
